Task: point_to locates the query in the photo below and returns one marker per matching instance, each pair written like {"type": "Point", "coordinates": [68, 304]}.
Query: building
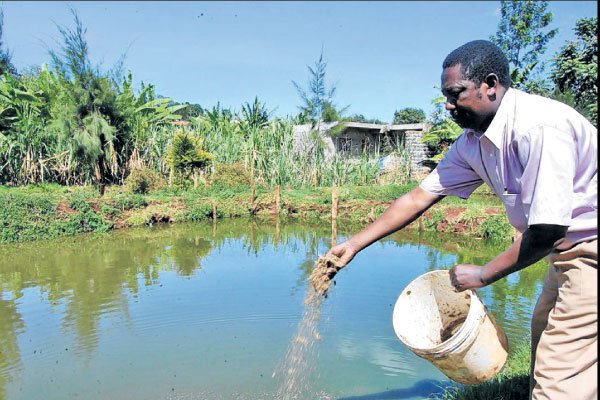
{"type": "Point", "coordinates": [353, 139]}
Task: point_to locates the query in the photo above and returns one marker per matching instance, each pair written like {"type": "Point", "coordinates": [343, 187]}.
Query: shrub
{"type": "Point", "coordinates": [230, 175]}
{"type": "Point", "coordinates": [86, 220]}
{"type": "Point", "coordinates": [200, 211]}
{"type": "Point", "coordinates": [78, 200]}
{"type": "Point", "coordinates": [24, 216]}
{"type": "Point", "coordinates": [128, 201]}
{"type": "Point", "coordinates": [143, 180]}
{"type": "Point", "coordinates": [109, 210]}
{"type": "Point", "coordinates": [496, 227]}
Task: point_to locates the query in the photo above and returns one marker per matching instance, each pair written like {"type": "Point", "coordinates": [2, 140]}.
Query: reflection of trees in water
{"type": "Point", "coordinates": [186, 253]}
{"type": "Point", "coordinates": [94, 275]}
{"type": "Point", "coordinates": [10, 325]}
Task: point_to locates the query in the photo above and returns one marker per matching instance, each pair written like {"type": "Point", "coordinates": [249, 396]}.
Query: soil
{"type": "Point", "coordinates": [453, 327]}
{"type": "Point", "coordinates": [64, 209]}
{"type": "Point", "coordinates": [322, 275]}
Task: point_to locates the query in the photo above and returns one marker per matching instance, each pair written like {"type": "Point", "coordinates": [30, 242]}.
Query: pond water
{"type": "Point", "coordinates": [205, 311]}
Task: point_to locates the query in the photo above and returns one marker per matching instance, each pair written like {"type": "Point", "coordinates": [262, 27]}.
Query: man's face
{"type": "Point", "coordinates": [468, 104]}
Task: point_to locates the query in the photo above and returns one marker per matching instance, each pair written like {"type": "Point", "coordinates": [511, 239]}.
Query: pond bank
{"type": "Point", "coordinates": [37, 212]}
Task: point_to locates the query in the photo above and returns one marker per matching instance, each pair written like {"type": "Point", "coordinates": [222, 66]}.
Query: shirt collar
{"type": "Point", "coordinates": [495, 131]}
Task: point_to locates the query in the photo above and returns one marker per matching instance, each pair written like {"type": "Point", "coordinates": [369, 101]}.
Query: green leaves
{"type": "Point", "coordinates": [318, 99]}
{"type": "Point", "coordinates": [523, 37]}
{"type": "Point", "coordinates": [186, 153]}
{"type": "Point", "coordinates": [409, 115]}
{"type": "Point", "coordinates": [575, 70]}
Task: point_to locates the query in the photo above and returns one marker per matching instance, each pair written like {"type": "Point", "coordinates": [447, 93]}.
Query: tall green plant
{"type": "Point", "coordinates": [317, 99]}
{"type": "Point", "coordinates": [186, 155]}
{"type": "Point", "coordinates": [90, 116]}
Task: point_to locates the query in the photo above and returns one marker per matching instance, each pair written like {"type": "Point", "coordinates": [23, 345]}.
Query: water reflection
{"type": "Point", "coordinates": [84, 278]}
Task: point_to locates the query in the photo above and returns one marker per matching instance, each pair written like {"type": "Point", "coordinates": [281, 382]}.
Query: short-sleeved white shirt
{"type": "Point", "coordinates": [539, 156]}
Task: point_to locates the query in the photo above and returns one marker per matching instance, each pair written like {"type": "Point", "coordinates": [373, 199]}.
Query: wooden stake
{"type": "Point", "coordinates": [334, 203]}
{"type": "Point", "coordinates": [253, 197]}
{"type": "Point", "coordinates": [333, 232]}
{"type": "Point", "coordinates": [277, 199]}
{"type": "Point", "coordinates": [195, 179]}
{"type": "Point", "coordinates": [214, 205]}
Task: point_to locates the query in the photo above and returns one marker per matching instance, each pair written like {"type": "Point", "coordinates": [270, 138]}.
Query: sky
{"type": "Point", "coordinates": [381, 56]}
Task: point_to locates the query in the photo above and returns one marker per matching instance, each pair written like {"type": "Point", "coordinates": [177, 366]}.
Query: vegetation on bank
{"type": "Point", "coordinates": [512, 383]}
{"type": "Point", "coordinates": [46, 211]}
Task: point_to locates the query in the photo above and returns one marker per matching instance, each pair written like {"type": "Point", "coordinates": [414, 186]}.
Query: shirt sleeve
{"type": "Point", "coordinates": [548, 156]}
{"type": "Point", "coordinates": [453, 176]}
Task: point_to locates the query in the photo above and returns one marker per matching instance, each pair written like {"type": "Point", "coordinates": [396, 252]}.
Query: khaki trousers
{"type": "Point", "coordinates": [564, 327]}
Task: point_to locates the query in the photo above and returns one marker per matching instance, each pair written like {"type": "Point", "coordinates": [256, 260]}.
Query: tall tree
{"type": "Point", "coordinates": [575, 70]}
{"type": "Point", "coordinates": [523, 35]}
{"type": "Point", "coordinates": [89, 117]}
{"type": "Point", "coordinates": [318, 99]}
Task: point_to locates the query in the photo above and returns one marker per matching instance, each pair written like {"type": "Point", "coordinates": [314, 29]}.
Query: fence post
{"type": "Point", "coordinates": [334, 203]}
{"type": "Point", "coordinates": [277, 199]}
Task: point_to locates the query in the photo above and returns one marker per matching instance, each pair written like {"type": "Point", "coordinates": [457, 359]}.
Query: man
{"type": "Point", "coordinates": [540, 157]}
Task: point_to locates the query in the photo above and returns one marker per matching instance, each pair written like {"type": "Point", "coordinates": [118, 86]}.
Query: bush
{"type": "Point", "coordinates": [86, 220]}
{"type": "Point", "coordinates": [143, 180]}
{"type": "Point", "coordinates": [79, 199]}
{"type": "Point", "coordinates": [496, 227]}
{"type": "Point", "coordinates": [24, 216]}
{"type": "Point", "coordinates": [230, 175]}
{"type": "Point", "coordinates": [32, 216]}
{"type": "Point", "coordinates": [200, 211]}
{"type": "Point", "coordinates": [128, 201]}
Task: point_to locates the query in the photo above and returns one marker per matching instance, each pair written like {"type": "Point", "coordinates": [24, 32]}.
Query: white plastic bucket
{"type": "Point", "coordinates": [453, 330]}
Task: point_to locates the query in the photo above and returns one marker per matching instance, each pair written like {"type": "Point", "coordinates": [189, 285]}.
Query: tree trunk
{"type": "Point", "coordinates": [100, 175]}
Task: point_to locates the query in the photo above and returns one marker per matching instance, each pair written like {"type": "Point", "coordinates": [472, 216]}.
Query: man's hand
{"type": "Point", "coordinates": [536, 242]}
{"type": "Point", "coordinates": [344, 251]}
{"type": "Point", "coordinates": [467, 276]}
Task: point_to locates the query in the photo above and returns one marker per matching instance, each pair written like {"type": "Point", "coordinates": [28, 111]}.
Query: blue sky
{"type": "Point", "coordinates": [382, 56]}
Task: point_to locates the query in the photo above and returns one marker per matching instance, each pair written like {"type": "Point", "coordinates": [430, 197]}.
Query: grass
{"type": "Point", "coordinates": [512, 383]}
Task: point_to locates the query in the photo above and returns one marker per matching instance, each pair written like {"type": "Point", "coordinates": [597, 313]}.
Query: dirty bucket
{"type": "Point", "coordinates": [453, 330]}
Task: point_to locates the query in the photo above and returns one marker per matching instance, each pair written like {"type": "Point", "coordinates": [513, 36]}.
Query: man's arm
{"type": "Point", "coordinates": [535, 243]}
{"type": "Point", "coordinates": [400, 213]}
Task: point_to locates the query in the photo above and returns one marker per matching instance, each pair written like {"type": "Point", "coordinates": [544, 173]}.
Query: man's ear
{"type": "Point", "coordinates": [492, 83]}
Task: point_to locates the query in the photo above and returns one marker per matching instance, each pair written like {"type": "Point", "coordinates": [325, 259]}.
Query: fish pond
{"type": "Point", "coordinates": [209, 311]}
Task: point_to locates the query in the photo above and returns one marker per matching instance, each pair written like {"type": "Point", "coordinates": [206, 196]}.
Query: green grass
{"type": "Point", "coordinates": [512, 383]}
